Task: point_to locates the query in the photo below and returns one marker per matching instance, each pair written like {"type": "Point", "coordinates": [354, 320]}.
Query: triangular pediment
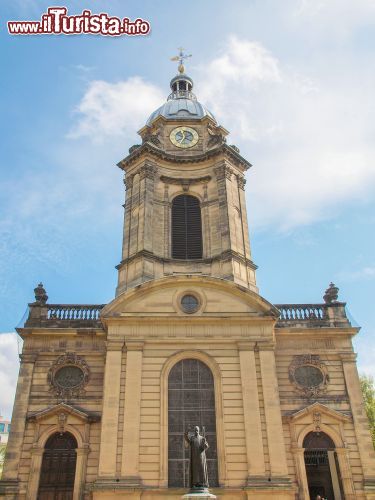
{"type": "Point", "coordinates": [63, 408]}
{"type": "Point", "coordinates": [217, 297]}
{"type": "Point", "coordinates": [307, 413]}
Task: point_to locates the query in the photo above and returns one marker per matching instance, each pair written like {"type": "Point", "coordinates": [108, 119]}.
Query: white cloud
{"type": "Point", "coordinates": [366, 273]}
{"type": "Point", "coordinates": [9, 366]}
{"type": "Point", "coordinates": [310, 140]}
{"type": "Point", "coordinates": [115, 109]}
{"type": "Point", "coordinates": [335, 16]}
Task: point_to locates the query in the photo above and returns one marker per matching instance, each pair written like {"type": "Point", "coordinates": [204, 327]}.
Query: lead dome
{"type": "Point", "coordinates": [182, 103]}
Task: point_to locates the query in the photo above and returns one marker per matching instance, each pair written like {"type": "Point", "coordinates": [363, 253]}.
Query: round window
{"type": "Point", "coordinates": [69, 377]}
{"type": "Point", "coordinates": [308, 376]}
{"type": "Point", "coordinates": [189, 304]}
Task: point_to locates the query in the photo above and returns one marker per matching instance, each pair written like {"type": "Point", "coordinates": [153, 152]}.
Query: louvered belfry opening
{"type": "Point", "coordinates": [58, 468]}
{"type": "Point", "coordinates": [186, 228]}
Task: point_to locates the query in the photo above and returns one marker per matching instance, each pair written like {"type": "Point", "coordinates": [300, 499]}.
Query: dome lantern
{"type": "Point", "coordinates": [181, 102]}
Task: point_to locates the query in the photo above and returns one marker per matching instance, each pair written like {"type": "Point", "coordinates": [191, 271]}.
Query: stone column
{"type": "Point", "coordinates": [275, 435]}
{"type": "Point", "coordinates": [79, 479]}
{"type": "Point", "coordinates": [132, 413]}
{"type": "Point", "coordinates": [345, 473]}
{"type": "Point", "coordinates": [111, 400]}
{"type": "Point", "coordinates": [21, 403]}
{"type": "Point", "coordinates": [361, 425]}
{"type": "Point", "coordinates": [253, 430]}
{"type": "Point", "coordinates": [299, 460]}
{"type": "Point", "coordinates": [35, 469]}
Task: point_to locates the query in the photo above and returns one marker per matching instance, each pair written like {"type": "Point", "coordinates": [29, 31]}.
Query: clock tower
{"type": "Point", "coordinates": [185, 210]}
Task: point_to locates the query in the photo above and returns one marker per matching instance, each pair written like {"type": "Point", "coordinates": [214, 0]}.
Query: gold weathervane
{"type": "Point", "coordinates": [181, 57]}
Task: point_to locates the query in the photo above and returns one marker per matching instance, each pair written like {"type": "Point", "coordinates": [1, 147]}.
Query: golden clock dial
{"type": "Point", "coordinates": [184, 137]}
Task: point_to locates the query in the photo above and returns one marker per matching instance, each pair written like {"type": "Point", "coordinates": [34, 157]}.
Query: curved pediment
{"type": "Point", "coordinates": [217, 297]}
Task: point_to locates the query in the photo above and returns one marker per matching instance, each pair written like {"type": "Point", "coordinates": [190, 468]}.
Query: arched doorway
{"type": "Point", "coordinates": [321, 466]}
{"type": "Point", "coordinates": [191, 401]}
{"type": "Point", "coordinates": [58, 467]}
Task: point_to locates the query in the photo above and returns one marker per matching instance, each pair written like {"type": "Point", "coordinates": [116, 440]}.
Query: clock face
{"type": "Point", "coordinates": [184, 137]}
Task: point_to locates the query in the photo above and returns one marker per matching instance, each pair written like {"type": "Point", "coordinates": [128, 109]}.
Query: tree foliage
{"type": "Point", "coordinates": [368, 391]}
{"type": "Point", "coordinates": [2, 456]}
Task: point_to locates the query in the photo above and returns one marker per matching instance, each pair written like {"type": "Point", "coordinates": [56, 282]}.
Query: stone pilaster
{"type": "Point", "coordinates": [299, 460]}
{"type": "Point", "coordinates": [275, 434]}
{"type": "Point", "coordinates": [245, 228]}
{"type": "Point", "coordinates": [79, 479]}
{"type": "Point", "coordinates": [345, 473]}
{"type": "Point", "coordinates": [132, 410]}
{"type": "Point", "coordinates": [223, 175]}
{"type": "Point", "coordinates": [361, 425]}
{"type": "Point", "coordinates": [253, 430]}
{"type": "Point", "coordinates": [21, 404]}
{"type": "Point", "coordinates": [147, 174]}
{"type": "Point", "coordinates": [35, 469]}
{"type": "Point", "coordinates": [111, 400]}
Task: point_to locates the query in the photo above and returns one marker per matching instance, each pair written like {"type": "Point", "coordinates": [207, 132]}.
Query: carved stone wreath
{"type": "Point", "coordinates": [68, 376]}
{"type": "Point", "coordinates": [309, 375]}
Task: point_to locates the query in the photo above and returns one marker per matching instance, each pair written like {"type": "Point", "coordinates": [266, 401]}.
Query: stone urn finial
{"type": "Point", "coordinates": [331, 294]}
{"type": "Point", "coordinates": [41, 296]}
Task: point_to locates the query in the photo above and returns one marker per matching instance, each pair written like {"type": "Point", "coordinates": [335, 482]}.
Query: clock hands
{"type": "Point", "coordinates": [182, 132]}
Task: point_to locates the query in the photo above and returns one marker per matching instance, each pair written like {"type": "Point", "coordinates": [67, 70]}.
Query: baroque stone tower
{"type": "Point", "coordinates": [184, 152]}
{"type": "Point", "coordinates": [106, 392]}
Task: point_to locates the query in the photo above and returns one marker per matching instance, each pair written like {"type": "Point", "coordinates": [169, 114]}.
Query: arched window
{"type": "Point", "coordinates": [191, 402]}
{"type": "Point", "coordinates": [321, 466]}
{"type": "Point", "coordinates": [186, 228]}
{"type": "Point", "coordinates": [58, 467]}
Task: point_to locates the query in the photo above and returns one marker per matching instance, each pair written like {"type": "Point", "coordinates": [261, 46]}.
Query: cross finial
{"type": "Point", "coordinates": [180, 58]}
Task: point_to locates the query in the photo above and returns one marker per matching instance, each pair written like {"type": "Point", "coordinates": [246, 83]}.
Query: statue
{"type": "Point", "coordinates": [198, 463]}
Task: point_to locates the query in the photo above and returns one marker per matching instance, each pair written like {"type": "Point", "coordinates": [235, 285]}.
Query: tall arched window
{"type": "Point", "coordinates": [58, 467]}
{"type": "Point", "coordinates": [321, 466]}
{"type": "Point", "coordinates": [186, 228]}
{"type": "Point", "coordinates": [191, 401]}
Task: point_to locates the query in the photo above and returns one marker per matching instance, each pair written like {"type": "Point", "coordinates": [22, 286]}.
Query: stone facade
{"type": "Point", "coordinates": [281, 372]}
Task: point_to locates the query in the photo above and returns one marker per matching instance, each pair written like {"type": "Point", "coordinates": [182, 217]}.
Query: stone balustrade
{"type": "Point", "coordinates": [312, 315]}
{"type": "Point", "coordinates": [88, 315]}
{"type": "Point", "coordinates": [64, 315]}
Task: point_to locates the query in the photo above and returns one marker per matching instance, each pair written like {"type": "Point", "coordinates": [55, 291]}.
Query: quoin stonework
{"type": "Point", "coordinates": [107, 392]}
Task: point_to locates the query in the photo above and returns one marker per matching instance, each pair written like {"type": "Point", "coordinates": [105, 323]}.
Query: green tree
{"type": "Point", "coordinates": [368, 391]}
{"type": "Point", "coordinates": [2, 456]}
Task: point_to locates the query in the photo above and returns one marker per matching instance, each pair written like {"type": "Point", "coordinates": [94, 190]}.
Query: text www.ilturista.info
{"type": "Point", "coordinates": [56, 22]}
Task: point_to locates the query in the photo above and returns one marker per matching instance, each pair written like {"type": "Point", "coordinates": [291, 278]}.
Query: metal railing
{"type": "Point", "coordinates": [178, 94]}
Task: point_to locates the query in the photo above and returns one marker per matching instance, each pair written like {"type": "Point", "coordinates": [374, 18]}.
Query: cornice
{"type": "Point", "coordinates": [199, 157]}
{"type": "Point", "coordinates": [228, 254]}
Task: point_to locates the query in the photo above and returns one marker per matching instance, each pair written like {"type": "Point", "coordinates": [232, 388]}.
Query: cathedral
{"type": "Point", "coordinates": [107, 393]}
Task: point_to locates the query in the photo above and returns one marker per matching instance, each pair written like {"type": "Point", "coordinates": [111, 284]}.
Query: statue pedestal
{"type": "Point", "coordinates": [198, 494]}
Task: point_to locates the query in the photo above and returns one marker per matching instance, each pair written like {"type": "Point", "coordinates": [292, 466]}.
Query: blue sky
{"type": "Point", "coordinates": [293, 82]}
